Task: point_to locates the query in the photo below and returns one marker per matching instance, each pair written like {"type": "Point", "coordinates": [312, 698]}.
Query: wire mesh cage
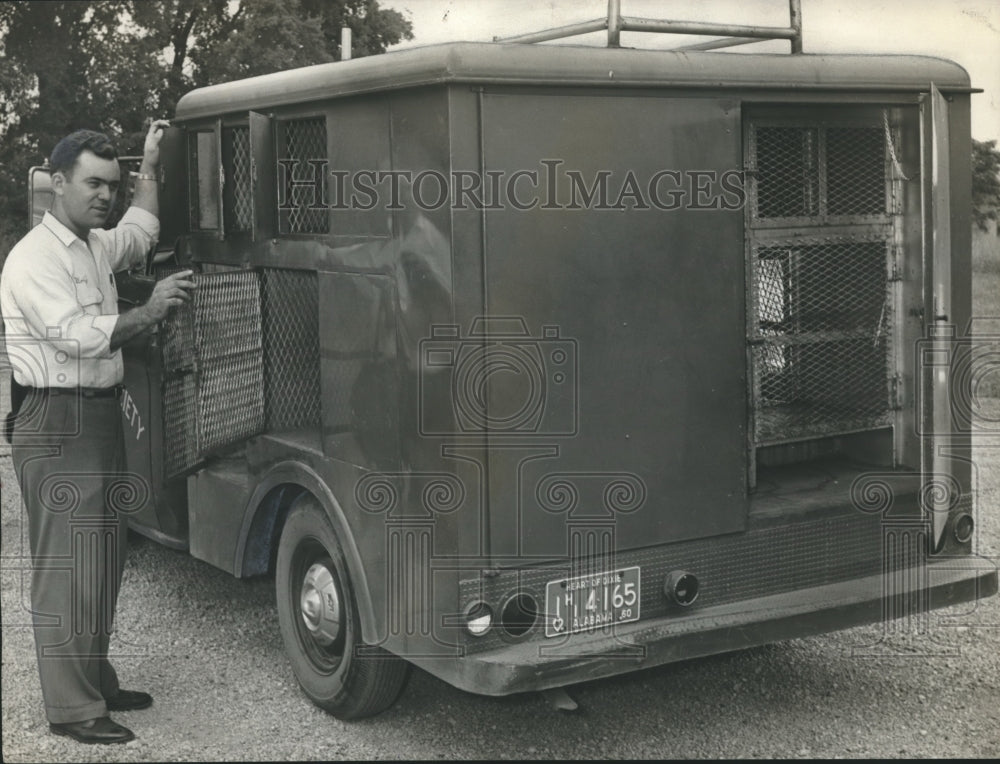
{"type": "Point", "coordinates": [227, 335]}
{"type": "Point", "coordinates": [810, 173]}
{"type": "Point", "coordinates": [820, 305]}
{"type": "Point", "coordinates": [855, 171]}
{"type": "Point", "coordinates": [180, 406]}
{"type": "Point", "coordinates": [302, 141]}
{"type": "Point", "coordinates": [213, 369]}
{"type": "Point", "coordinates": [290, 304]}
{"type": "Point", "coordinates": [820, 337]}
{"type": "Point", "coordinates": [787, 161]}
{"type": "Point", "coordinates": [237, 191]}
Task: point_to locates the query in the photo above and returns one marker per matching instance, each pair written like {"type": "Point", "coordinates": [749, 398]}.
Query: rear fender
{"type": "Point", "coordinates": [291, 474]}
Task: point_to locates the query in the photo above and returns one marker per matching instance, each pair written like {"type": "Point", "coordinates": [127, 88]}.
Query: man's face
{"type": "Point", "coordinates": [88, 191]}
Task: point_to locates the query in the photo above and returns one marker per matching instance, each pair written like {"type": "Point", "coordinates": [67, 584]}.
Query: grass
{"type": "Point", "coordinates": [986, 300]}
{"type": "Point", "coordinates": [985, 273]}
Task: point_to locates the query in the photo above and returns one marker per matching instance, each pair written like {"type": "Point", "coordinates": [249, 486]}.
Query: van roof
{"type": "Point", "coordinates": [573, 65]}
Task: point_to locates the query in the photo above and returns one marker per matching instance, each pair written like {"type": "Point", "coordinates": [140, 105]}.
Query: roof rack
{"type": "Point", "coordinates": [733, 34]}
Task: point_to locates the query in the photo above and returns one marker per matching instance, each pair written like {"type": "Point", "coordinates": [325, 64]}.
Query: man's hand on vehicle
{"type": "Point", "coordinates": [169, 292]}
{"type": "Point", "coordinates": [151, 148]}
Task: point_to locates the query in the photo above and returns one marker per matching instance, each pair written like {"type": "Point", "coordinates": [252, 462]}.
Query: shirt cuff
{"type": "Point", "coordinates": [106, 326]}
{"type": "Point", "coordinates": [146, 220]}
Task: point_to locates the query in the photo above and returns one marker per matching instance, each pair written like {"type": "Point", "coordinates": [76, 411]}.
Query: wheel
{"type": "Point", "coordinates": [318, 616]}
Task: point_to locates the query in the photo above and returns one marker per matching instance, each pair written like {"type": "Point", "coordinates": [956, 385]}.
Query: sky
{"type": "Point", "coordinates": [965, 31]}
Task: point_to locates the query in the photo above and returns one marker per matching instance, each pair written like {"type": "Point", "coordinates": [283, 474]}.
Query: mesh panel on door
{"type": "Point", "coordinates": [213, 371]}
{"type": "Point", "coordinates": [304, 140]}
{"type": "Point", "coordinates": [291, 348]}
{"type": "Point", "coordinates": [820, 308]}
{"type": "Point", "coordinates": [820, 337]}
{"type": "Point", "coordinates": [240, 214]}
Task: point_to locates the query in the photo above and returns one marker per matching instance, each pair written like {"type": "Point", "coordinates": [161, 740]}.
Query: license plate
{"type": "Point", "coordinates": [587, 603]}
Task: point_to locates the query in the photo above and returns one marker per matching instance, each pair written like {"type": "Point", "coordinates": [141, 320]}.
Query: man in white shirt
{"type": "Point", "coordinates": [60, 308]}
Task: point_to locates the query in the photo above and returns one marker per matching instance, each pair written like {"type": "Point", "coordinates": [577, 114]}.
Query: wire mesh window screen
{"type": "Point", "coordinates": [855, 171]}
{"type": "Point", "coordinates": [177, 332]}
{"type": "Point", "coordinates": [213, 369]}
{"type": "Point", "coordinates": [787, 172]}
{"type": "Point", "coordinates": [228, 343]}
{"type": "Point", "coordinates": [237, 195]}
{"type": "Point", "coordinates": [290, 315]}
{"type": "Point", "coordinates": [180, 407]}
{"type": "Point", "coordinates": [302, 141]}
{"type": "Point", "coordinates": [820, 344]}
{"type": "Point", "coordinates": [810, 173]}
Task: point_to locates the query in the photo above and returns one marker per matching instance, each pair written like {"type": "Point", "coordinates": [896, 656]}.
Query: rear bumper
{"type": "Point", "coordinates": [541, 664]}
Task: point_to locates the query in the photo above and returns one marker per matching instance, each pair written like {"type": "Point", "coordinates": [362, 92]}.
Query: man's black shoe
{"type": "Point", "coordinates": [129, 700]}
{"type": "Point", "coordinates": [101, 730]}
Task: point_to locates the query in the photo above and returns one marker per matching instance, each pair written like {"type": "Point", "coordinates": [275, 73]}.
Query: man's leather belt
{"type": "Point", "coordinates": [86, 392]}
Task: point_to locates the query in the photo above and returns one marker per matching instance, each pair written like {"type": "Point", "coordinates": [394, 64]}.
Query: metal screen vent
{"type": "Point", "coordinates": [212, 358]}
{"type": "Point", "coordinates": [239, 201]}
{"type": "Point", "coordinates": [821, 322]}
{"type": "Point", "coordinates": [176, 333]}
{"type": "Point", "coordinates": [180, 407]}
{"type": "Point", "coordinates": [290, 314]}
{"type": "Point", "coordinates": [228, 345]}
{"type": "Point", "coordinates": [788, 172]}
{"type": "Point", "coordinates": [807, 174]}
{"type": "Point", "coordinates": [304, 140]}
{"type": "Point", "coordinates": [856, 171]}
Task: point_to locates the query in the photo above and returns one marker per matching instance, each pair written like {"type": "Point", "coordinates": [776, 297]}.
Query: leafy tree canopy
{"type": "Point", "coordinates": [109, 65]}
{"type": "Point", "coordinates": [985, 182]}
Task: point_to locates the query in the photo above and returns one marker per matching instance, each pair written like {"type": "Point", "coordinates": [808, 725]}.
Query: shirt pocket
{"type": "Point", "coordinates": [89, 298]}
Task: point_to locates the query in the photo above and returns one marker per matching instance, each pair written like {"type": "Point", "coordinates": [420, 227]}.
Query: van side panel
{"type": "Point", "coordinates": [644, 418]}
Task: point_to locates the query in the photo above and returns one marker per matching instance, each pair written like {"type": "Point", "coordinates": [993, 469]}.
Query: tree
{"type": "Point", "coordinates": [109, 65]}
{"type": "Point", "coordinates": [985, 182]}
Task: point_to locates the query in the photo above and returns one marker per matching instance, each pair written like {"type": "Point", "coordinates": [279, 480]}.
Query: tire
{"type": "Point", "coordinates": [320, 626]}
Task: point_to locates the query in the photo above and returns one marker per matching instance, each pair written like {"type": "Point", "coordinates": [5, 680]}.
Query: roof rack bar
{"type": "Point", "coordinates": [615, 23]}
{"type": "Point", "coordinates": [725, 42]}
{"type": "Point", "coordinates": [632, 24]}
{"type": "Point", "coordinates": [795, 13]}
{"type": "Point", "coordinates": [572, 30]}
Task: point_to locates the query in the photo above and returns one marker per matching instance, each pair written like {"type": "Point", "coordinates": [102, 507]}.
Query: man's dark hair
{"type": "Point", "coordinates": [65, 154]}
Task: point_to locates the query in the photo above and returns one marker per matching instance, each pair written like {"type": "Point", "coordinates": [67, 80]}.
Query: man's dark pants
{"type": "Point", "coordinates": [69, 456]}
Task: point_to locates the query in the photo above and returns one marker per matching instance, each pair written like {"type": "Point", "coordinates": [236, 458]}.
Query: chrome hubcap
{"type": "Point", "coordinates": [320, 604]}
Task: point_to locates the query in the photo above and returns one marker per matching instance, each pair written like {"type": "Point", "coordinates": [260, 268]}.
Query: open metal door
{"type": "Point", "coordinates": [936, 213]}
{"type": "Point", "coordinates": [173, 187]}
{"type": "Point", "coordinates": [263, 179]}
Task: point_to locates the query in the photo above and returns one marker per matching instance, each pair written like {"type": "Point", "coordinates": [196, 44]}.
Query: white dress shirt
{"type": "Point", "coordinates": [59, 301]}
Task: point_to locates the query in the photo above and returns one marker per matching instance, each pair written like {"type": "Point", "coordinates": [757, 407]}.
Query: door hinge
{"type": "Point", "coordinates": [896, 392]}
{"type": "Point", "coordinates": [896, 264]}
